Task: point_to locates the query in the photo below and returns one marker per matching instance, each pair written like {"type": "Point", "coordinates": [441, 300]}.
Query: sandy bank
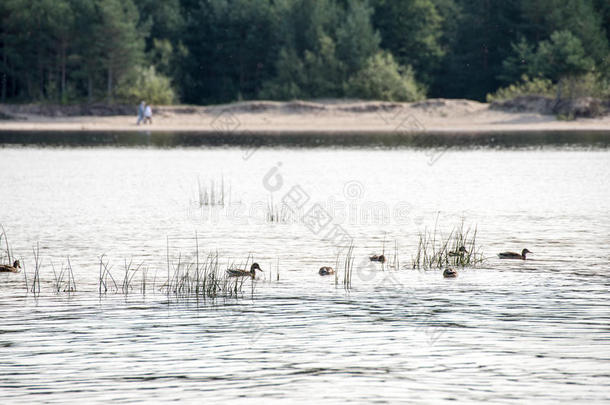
{"type": "Point", "coordinates": [434, 115]}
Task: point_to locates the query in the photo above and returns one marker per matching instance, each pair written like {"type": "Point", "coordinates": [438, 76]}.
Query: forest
{"type": "Point", "coordinates": [217, 51]}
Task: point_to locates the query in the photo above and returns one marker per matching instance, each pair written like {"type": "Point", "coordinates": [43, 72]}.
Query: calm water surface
{"type": "Point", "coordinates": [506, 332]}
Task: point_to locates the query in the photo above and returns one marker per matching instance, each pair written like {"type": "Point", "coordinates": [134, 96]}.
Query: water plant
{"type": "Point", "coordinates": [37, 263]}
{"type": "Point", "coordinates": [7, 250]}
{"type": "Point", "coordinates": [64, 281]}
{"type": "Point", "coordinates": [129, 275]}
{"type": "Point", "coordinates": [211, 194]}
{"type": "Point", "coordinates": [202, 279]}
{"type": "Point", "coordinates": [348, 267]}
{"type": "Point", "coordinates": [395, 259]}
{"type": "Point", "coordinates": [279, 213]}
{"type": "Point", "coordinates": [105, 277]}
{"type": "Point", "coordinates": [459, 248]}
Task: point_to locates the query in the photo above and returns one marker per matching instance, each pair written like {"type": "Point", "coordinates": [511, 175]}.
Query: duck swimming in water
{"type": "Point", "coordinates": [449, 273]}
{"type": "Point", "coordinates": [375, 258]}
{"type": "Point", "coordinates": [326, 271]}
{"type": "Point", "coordinates": [15, 268]}
{"type": "Point", "coordinates": [458, 252]}
{"type": "Point", "coordinates": [244, 273]}
{"type": "Point", "coordinates": [513, 255]}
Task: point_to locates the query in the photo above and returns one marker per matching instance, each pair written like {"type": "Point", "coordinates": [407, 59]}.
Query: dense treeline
{"type": "Point", "coordinates": [208, 51]}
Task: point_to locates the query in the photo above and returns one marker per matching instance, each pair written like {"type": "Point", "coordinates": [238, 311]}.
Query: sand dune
{"type": "Point", "coordinates": [324, 116]}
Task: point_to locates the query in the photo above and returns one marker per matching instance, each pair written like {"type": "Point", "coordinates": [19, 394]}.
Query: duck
{"type": "Point", "coordinates": [513, 255]}
{"type": "Point", "coordinates": [458, 252]}
{"type": "Point", "coordinates": [375, 258]}
{"type": "Point", "coordinates": [449, 273]}
{"type": "Point", "coordinates": [326, 271]}
{"type": "Point", "coordinates": [15, 268]}
{"type": "Point", "coordinates": [244, 273]}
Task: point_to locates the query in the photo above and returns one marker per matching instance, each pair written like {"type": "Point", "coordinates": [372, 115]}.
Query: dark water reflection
{"type": "Point", "coordinates": [393, 139]}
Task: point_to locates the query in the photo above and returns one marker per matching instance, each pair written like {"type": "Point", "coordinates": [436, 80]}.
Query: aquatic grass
{"type": "Point", "coordinates": [348, 267]}
{"type": "Point", "coordinates": [436, 251]}
{"type": "Point", "coordinates": [212, 195]}
{"type": "Point", "coordinates": [279, 213]}
{"type": "Point", "coordinates": [57, 279]}
{"type": "Point", "coordinates": [202, 279]}
{"type": "Point", "coordinates": [143, 280]}
{"type": "Point", "coordinates": [37, 264]}
{"type": "Point", "coordinates": [277, 270]}
{"type": "Point", "coordinates": [186, 279]}
{"type": "Point", "coordinates": [395, 259]}
{"type": "Point", "coordinates": [129, 275]}
{"type": "Point", "coordinates": [59, 284]}
{"type": "Point", "coordinates": [337, 269]}
{"type": "Point", "coordinates": [8, 249]}
{"type": "Point", "coordinates": [105, 277]}
{"type": "Point", "coordinates": [71, 279]}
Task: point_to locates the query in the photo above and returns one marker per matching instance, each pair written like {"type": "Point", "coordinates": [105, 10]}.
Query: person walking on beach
{"type": "Point", "coordinates": [148, 115]}
{"type": "Point", "coordinates": [141, 109]}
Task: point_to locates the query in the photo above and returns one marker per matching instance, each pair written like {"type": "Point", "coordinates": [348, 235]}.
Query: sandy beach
{"type": "Point", "coordinates": [435, 115]}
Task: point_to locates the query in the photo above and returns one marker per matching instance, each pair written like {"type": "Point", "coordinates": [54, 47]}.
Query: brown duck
{"type": "Point", "coordinates": [449, 273]}
{"type": "Point", "coordinates": [375, 258]}
{"type": "Point", "coordinates": [513, 255]}
{"type": "Point", "coordinates": [458, 252]}
{"type": "Point", "coordinates": [326, 271]}
{"type": "Point", "coordinates": [244, 273]}
{"type": "Point", "coordinates": [15, 268]}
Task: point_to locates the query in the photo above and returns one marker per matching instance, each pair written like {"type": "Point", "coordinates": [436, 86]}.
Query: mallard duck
{"type": "Point", "coordinates": [458, 252]}
{"type": "Point", "coordinates": [513, 255]}
{"type": "Point", "coordinates": [15, 268]}
{"type": "Point", "coordinates": [244, 273]}
{"type": "Point", "coordinates": [375, 258]}
{"type": "Point", "coordinates": [326, 271]}
{"type": "Point", "coordinates": [449, 273]}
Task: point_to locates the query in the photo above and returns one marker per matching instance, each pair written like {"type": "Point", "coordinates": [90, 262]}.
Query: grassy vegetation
{"type": "Point", "coordinates": [527, 86]}
{"type": "Point", "coordinates": [348, 266]}
{"type": "Point", "coordinates": [436, 251]}
{"type": "Point", "coordinates": [279, 213]}
{"type": "Point", "coordinates": [213, 193]}
{"type": "Point", "coordinates": [7, 251]}
{"type": "Point", "coordinates": [197, 276]}
{"type": "Point", "coordinates": [587, 85]}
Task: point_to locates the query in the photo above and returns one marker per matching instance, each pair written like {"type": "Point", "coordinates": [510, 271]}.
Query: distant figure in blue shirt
{"type": "Point", "coordinates": [148, 115]}
{"type": "Point", "coordinates": [141, 109]}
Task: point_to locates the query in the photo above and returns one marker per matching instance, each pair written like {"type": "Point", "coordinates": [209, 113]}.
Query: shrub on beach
{"type": "Point", "coordinates": [384, 79]}
{"type": "Point", "coordinates": [588, 85]}
{"type": "Point", "coordinates": [147, 84]}
{"type": "Point", "coordinates": [557, 67]}
{"type": "Point", "coordinates": [527, 86]}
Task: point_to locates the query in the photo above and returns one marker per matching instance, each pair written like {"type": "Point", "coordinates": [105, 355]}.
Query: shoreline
{"type": "Point", "coordinates": [310, 139]}
{"type": "Point", "coordinates": [433, 116]}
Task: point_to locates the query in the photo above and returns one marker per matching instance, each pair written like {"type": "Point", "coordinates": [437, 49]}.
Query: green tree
{"type": "Point", "coordinates": [357, 40]}
{"type": "Point", "coordinates": [564, 59]}
{"type": "Point", "coordinates": [383, 79]}
{"type": "Point", "coordinates": [147, 84]}
{"type": "Point", "coordinates": [232, 46]}
{"type": "Point", "coordinates": [483, 41]}
{"type": "Point", "coordinates": [336, 43]}
{"type": "Point", "coordinates": [164, 24]}
{"type": "Point", "coordinates": [286, 85]}
{"type": "Point", "coordinates": [543, 17]}
{"type": "Point", "coordinates": [411, 31]}
{"type": "Point", "coordinates": [522, 61]}
{"type": "Point", "coordinates": [9, 38]}
{"type": "Point", "coordinates": [120, 42]}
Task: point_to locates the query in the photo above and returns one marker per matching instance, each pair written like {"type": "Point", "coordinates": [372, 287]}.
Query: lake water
{"type": "Point", "coordinates": [503, 332]}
